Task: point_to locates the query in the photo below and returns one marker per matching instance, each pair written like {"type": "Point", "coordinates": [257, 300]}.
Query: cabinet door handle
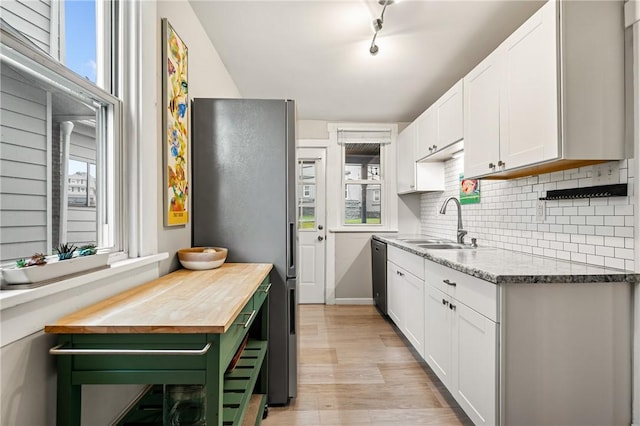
{"type": "Point", "coordinates": [60, 350]}
{"type": "Point", "coordinates": [452, 306]}
{"type": "Point", "coordinates": [267, 288]}
{"type": "Point", "coordinates": [246, 324]}
{"type": "Point", "coordinates": [435, 148]}
{"type": "Point", "coordinates": [401, 274]}
{"type": "Point", "coordinates": [444, 302]}
{"type": "Point", "coordinates": [492, 166]}
{"type": "Point", "coordinates": [430, 149]}
{"type": "Point", "coordinates": [501, 163]}
{"type": "Point", "coordinates": [447, 282]}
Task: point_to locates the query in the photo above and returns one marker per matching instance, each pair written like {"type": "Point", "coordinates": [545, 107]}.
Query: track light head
{"type": "Point", "coordinates": [373, 50]}
{"type": "Point", "coordinates": [377, 24]}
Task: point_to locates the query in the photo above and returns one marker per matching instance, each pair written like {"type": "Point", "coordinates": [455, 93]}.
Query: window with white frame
{"type": "Point", "coordinates": [61, 151]}
{"type": "Point", "coordinates": [363, 175]}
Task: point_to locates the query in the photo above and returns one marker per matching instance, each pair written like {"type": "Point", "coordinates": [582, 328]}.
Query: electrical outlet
{"type": "Point", "coordinates": [541, 211]}
{"type": "Point", "coordinates": [606, 173]}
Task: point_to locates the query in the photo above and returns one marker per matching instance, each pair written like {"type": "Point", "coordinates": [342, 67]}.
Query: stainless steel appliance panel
{"type": "Point", "coordinates": [241, 196]}
{"type": "Point", "coordinates": [379, 274]}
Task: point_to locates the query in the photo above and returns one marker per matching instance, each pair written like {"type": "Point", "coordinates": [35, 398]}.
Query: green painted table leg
{"type": "Point", "coordinates": [214, 384]}
{"type": "Point", "coordinates": [69, 395]}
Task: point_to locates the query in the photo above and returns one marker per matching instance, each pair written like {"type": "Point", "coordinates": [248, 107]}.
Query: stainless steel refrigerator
{"type": "Point", "coordinates": [243, 195]}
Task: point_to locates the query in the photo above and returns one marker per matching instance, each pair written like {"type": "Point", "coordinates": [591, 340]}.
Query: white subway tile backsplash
{"type": "Point", "coordinates": [605, 251]}
{"type": "Point", "coordinates": [623, 231]}
{"type": "Point", "coordinates": [614, 220]}
{"type": "Point", "coordinates": [578, 257]}
{"type": "Point", "coordinates": [604, 230]}
{"type": "Point", "coordinates": [595, 220]}
{"type": "Point", "coordinates": [578, 220]}
{"type": "Point", "coordinates": [587, 249]}
{"type": "Point", "coordinates": [595, 260]}
{"type": "Point", "coordinates": [624, 210]}
{"type": "Point", "coordinates": [597, 231]}
{"type": "Point", "coordinates": [615, 241]}
{"type": "Point", "coordinates": [612, 262]}
{"type": "Point", "coordinates": [605, 210]}
{"type": "Point", "coordinates": [596, 240]}
{"type": "Point", "coordinates": [587, 229]}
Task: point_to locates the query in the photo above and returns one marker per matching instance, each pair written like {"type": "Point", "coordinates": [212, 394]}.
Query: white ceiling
{"type": "Point", "coordinates": [317, 52]}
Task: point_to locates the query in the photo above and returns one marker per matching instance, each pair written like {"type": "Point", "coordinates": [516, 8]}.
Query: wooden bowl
{"type": "Point", "coordinates": [199, 258]}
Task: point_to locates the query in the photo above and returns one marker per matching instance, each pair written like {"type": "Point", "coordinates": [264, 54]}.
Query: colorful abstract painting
{"type": "Point", "coordinates": [175, 126]}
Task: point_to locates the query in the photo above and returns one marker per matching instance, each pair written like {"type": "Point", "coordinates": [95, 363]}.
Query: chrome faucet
{"type": "Point", "coordinates": [461, 232]}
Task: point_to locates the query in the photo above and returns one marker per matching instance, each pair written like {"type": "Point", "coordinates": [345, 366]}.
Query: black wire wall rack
{"type": "Point", "coordinates": [617, 190]}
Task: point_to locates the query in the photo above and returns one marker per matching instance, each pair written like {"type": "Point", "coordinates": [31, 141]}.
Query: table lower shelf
{"type": "Point", "coordinates": [238, 395]}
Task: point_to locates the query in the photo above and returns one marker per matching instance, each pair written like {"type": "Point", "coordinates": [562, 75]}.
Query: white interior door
{"type": "Point", "coordinates": [311, 224]}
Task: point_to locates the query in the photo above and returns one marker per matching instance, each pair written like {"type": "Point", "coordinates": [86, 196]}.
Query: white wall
{"type": "Point", "coordinates": [208, 77]}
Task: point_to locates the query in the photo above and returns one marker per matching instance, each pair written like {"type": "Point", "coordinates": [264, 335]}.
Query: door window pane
{"type": "Point", "coordinates": [362, 204]}
{"type": "Point", "coordinates": [306, 195]}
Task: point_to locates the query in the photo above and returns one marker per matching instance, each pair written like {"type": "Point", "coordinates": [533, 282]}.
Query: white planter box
{"type": "Point", "coordinates": [54, 269]}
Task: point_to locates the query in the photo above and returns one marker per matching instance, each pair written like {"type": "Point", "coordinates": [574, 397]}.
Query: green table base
{"type": "Point", "coordinates": [239, 385]}
{"type": "Point", "coordinates": [227, 395]}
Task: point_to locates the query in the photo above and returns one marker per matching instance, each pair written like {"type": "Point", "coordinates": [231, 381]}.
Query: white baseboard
{"type": "Point", "coordinates": [354, 301]}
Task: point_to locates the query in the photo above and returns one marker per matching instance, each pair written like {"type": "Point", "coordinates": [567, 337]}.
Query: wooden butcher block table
{"type": "Point", "coordinates": [182, 328]}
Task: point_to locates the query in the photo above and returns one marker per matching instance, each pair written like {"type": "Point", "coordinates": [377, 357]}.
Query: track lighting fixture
{"type": "Point", "coordinates": [377, 26]}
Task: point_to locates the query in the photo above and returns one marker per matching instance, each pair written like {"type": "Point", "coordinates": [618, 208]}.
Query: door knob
{"type": "Point", "coordinates": [320, 238]}
{"type": "Point", "coordinates": [320, 227]}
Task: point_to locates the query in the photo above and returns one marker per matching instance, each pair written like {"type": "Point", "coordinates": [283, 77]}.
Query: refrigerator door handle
{"type": "Point", "coordinates": [292, 245]}
{"type": "Point", "coordinates": [292, 311]}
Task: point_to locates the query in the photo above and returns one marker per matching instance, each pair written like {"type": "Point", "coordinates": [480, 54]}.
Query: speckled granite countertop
{"type": "Point", "coordinates": [510, 267]}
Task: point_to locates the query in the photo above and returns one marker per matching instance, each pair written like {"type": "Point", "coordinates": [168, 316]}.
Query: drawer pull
{"type": "Point", "coordinates": [452, 306]}
{"type": "Point", "coordinates": [246, 324]}
{"type": "Point", "coordinates": [447, 282]}
{"type": "Point", "coordinates": [59, 350]}
{"type": "Point", "coordinates": [267, 288]}
{"type": "Point", "coordinates": [444, 302]}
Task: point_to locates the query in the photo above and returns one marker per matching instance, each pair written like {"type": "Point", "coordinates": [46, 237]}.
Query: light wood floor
{"type": "Point", "coordinates": [354, 369]}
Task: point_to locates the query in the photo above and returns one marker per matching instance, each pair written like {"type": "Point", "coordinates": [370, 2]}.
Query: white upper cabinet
{"type": "Point", "coordinates": [426, 125]}
{"type": "Point", "coordinates": [449, 114]}
{"type": "Point", "coordinates": [406, 149]}
{"type": "Point", "coordinates": [412, 176]}
{"type": "Point", "coordinates": [441, 127]}
{"type": "Point", "coordinates": [529, 116]}
{"type": "Point", "coordinates": [482, 116]}
{"type": "Point", "coordinates": [551, 96]}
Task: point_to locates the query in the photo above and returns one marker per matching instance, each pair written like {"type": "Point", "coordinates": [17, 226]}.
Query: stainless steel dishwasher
{"type": "Point", "coordinates": [379, 274]}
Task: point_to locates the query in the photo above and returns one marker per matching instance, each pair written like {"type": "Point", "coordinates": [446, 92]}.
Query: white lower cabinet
{"type": "Point", "coordinates": [413, 327]}
{"type": "Point", "coordinates": [405, 294]}
{"type": "Point", "coordinates": [461, 343]}
{"type": "Point", "coordinates": [438, 327]}
{"type": "Point", "coordinates": [474, 361]}
{"type": "Point", "coordinates": [394, 294]}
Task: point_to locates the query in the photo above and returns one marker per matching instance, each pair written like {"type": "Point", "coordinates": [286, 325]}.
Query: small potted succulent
{"type": "Point", "coordinates": [87, 250]}
{"type": "Point", "coordinates": [38, 259]}
{"type": "Point", "coordinates": [65, 251]}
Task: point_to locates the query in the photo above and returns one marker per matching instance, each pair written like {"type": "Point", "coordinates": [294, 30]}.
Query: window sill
{"type": "Point", "coordinates": [12, 298]}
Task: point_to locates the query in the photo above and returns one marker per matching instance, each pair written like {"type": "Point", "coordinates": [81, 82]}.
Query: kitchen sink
{"type": "Point", "coordinates": [446, 246]}
{"type": "Point", "coordinates": [426, 241]}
